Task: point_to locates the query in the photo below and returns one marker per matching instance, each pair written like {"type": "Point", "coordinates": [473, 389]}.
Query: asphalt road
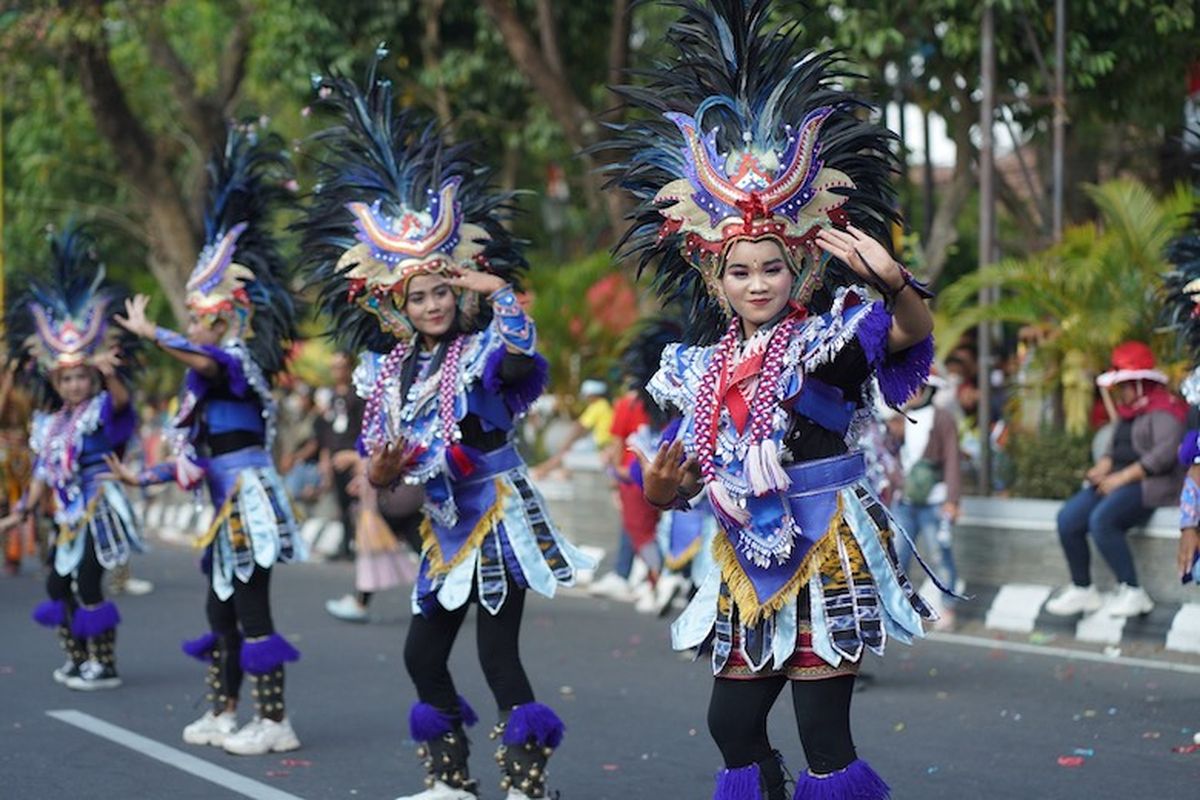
{"type": "Point", "coordinates": [954, 717]}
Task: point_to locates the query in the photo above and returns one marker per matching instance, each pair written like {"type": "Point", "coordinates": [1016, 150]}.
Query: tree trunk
{"type": "Point", "coordinates": [431, 52]}
{"type": "Point", "coordinates": [575, 120]}
{"type": "Point", "coordinates": [943, 230]}
{"type": "Point", "coordinates": [173, 234]}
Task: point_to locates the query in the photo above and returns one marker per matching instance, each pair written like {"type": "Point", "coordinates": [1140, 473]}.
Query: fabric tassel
{"type": "Point", "coordinates": [773, 466]}
{"type": "Point", "coordinates": [89, 622]}
{"type": "Point", "coordinates": [731, 515]}
{"type": "Point", "coordinates": [200, 648]}
{"type": "Point", "coordinates": [534, 721]}
{"type": "Point", "coordinates": [263, 655]}
{"type": "Point", "coordinates": [51, 613]}
{"type": "Point", "coordinates": [462, 463]}
{"type": "Point", "coordinates": [187, 474]}
{"type": "Point", "coordinates": [766, 473]}
{"type": "Point", "coordinates": [743, 783]}
{"type": "Point", "coordinates": [755, 470]}
{"type": "Point", "coordinates": [856, 782]}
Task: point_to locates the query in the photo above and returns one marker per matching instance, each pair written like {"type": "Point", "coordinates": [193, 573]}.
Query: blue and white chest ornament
{"type": "Point", "coordinates": [57, 440]}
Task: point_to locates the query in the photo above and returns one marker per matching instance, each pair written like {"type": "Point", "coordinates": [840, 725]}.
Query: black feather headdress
{"type": "Point", "coordinates": [61, 316]}
{"type": "Point", "coordinates": [240, 275]}
{"type": "Point", "coordinates": [394, 201]}
{"type": "Point", "coordinates": [1181, 287]}
{"type": "Point", "coordinates": [746, 134]}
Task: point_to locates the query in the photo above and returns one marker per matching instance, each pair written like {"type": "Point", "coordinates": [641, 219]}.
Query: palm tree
{"type": "Point", "coordinates": [1080, 297]}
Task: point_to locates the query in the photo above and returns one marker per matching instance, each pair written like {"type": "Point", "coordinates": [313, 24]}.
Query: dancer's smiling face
{"type": "Point", "coordinates": [206, 330]}
{"type": "Point", "coordinates": [757, 281]}
{"type": "Point", "coordinates": [430, 305]}
{"type": "Point", "coordinates": [75, 384]}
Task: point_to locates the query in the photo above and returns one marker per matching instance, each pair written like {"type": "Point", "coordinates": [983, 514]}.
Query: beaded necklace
{"type": "Point", "coordinates": [764, 472]}
{"type": "Point", "coordinates": [447, 391]}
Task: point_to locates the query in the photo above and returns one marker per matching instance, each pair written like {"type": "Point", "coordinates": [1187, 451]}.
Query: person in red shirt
{"type": "Point", "coordinates": [639, 519]}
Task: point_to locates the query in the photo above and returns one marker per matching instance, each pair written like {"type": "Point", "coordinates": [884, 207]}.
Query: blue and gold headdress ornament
{"type": "Point", "coordinates": [393, 201]}
{"type": "Point", "coordinates": [240, 275]}
{"type": "Point", "coordinates": [746, 135]}
{"type": "Point", "coordinates": [63, 317]}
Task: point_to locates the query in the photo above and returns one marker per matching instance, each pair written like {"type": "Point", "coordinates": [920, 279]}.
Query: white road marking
{"type": "Point", "coordinates": [247, 787]}
{"type": "Point", "coordinates": [1061, 652]}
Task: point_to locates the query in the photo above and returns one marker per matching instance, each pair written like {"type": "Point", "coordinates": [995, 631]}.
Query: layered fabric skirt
{"type": "Point", "coordinates": [254, 525]}
{"type": "Point", "coordinates": [841, 593]}
{"type": "Point", "coordinates": [502, 537]}
{"type": "Point", "coordinates": [106, 523]}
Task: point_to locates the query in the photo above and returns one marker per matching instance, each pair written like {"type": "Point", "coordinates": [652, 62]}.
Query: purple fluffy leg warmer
{"type": "Point", "coordinates": [201, 648]}
{"type": "Point", "coordinates": [427, 722]}
{"type": "Point", "coordinates": [51, 613]}
{"type": "Point", "coordinates": [534, 721]}
{"type": "Point", "coordinates": [856, 782]}
{"type": "Point", "coordinates": [87, 623]}
{"type": "Point", "coordinates": [260, 656]}
{"type": "Point", "coordinates": [741, 783]}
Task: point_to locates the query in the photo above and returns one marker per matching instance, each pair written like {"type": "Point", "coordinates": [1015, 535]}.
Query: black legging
{"type": "Point", "coordinates": [345, 501]}
{"type": "Point", "coordinates": [430, 639]}
{"type": "Point", "coordinates": [249, 607]}
{"type": "Point", "coordinates": [737, 720]}
{"type": "Point", "coordinates": [88, 578]}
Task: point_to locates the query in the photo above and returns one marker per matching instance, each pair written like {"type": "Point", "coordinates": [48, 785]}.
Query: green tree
{"type": "Point", "coordinates": [1080, 298]}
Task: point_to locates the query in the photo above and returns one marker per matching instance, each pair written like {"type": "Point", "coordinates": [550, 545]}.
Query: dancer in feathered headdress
{"type": "Point", "coordinates": [63, 323]}
{"type": "Point", "coordinates": [241, 320]}
{"type": "Point", "coordinates": [681, 537]}
{"type": "Point", "coordinates": [763, 191]}
{"type": "Point", "coordinates": [1181, 291]}
{"type": "Point", "coordinates": [405, 239]}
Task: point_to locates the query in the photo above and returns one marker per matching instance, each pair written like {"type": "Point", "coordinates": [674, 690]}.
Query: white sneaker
{"type": "Point", "coordinates": [211, 729]}
{"type": "Point", "coordinates": [262, 736]}
{"type": "Point", "coordinates": [516, 794]}
{"type": "Point", "coordinates": [93, 676]}
{"type": "Point", "coordinates": [612, 586]}
{"type": "Point", "coordinates": [1075, 600]}
{"type": "Point", "coordinates": [1129, 601]}
{"type": "Point", "coordinates": [440, 791]}
{"type": "Point", "coordinates": [347, 608]}
{"type": "Point", "coordinates": [644, 601]}
{"type": "Point", "coordinates": [668, 587]}
{"type": "Point", "coordinates": [68, 670]}
{"type": "Point", "coordinates": [137, 586]}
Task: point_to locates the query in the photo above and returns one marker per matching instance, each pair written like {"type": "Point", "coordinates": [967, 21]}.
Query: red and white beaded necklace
{"type": "Point", "coordinates": [764, 473]}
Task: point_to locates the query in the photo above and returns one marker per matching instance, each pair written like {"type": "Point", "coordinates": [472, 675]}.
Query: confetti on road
{"type": "Point", "coordinates": [899, 726]}
{"type": "Point", "coordinates": [295, 762]}
{"type": "Point", "coordinates": [610, 767]}
{"type": "Point", "coordinates": [1070, 761]}
{"type": "Point", "coordinates": [1084, 751]}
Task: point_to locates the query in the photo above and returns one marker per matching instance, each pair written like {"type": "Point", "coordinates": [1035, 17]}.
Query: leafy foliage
{"type": "Point", "coordinates": [1083, 296]}
{"type": "Point", "coordinates": [1049, 463]}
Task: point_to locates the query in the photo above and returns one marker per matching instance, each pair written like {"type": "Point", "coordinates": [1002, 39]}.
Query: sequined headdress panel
{"type": "Point", "coordinates": [745, 134]}
{"type": "Point", "coordinates": [394, 201]}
